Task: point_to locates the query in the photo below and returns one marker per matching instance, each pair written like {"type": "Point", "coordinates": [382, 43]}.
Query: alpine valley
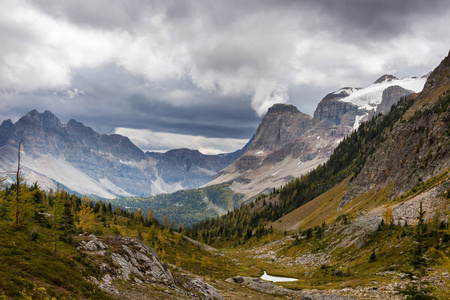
{"type": "Point", "coordinates": [352, 202]}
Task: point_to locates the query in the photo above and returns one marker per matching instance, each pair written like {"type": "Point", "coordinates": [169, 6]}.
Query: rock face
{"type": "Point", "coordinates": [84, 161]}
{"type": "Point", "coordinates": [128, 259]}
{"type": "Point", "coordinates": [386, 77]}
{"type": "Point", "coordinates": [289, 143]}
{"type": "Point", "coordinates": [417, 147]}
{"type": "Point", "coordinates": [282, 124]}
{"type": "Point", "coordinates": [390, 96]}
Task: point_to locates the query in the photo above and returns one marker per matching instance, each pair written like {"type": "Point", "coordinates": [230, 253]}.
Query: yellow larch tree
{"type": "Point", "coordinates": [86, 215]}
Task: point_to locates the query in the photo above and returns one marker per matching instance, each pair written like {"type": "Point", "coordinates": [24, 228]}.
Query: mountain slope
{"type": "Point", "coordinates": [84, 161]}
{"type": "Point", "coordinates": [417, 147]}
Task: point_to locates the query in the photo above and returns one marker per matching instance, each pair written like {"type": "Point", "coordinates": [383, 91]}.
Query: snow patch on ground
{"type": "Point", "coordinates": [268, 277]}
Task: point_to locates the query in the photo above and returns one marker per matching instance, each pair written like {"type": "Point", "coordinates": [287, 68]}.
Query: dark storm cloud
{"type": "Point", "coordinates": [103, 14]}
{"type": "Point", "coordinates": [109, 97]}
{"type": "Point", "coordinates": [381, 19]}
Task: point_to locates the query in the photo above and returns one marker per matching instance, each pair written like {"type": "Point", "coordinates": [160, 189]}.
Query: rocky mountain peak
{"type": "Point", "coordinates": [281, 124]}
{"type": "Point", "coordinates": [183, 151]}
{"type": "Point", "coordinates": [45, 120]}
{"type": "Point", "coordinates": [385, 77]}
{"type": "Point", "coordinates": [78, 129]}
{"type": "Point", "coordinates": [7, 124]}
{"type": "Point", "coordinates": [282, 108]}
{"type": "Point", "coordinates": [5, 131]}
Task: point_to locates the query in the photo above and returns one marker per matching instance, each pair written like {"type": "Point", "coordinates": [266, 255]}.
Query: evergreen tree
{"type": "Point", "coordinates": [57, 217]}
{"type": "Point", "coordinates": [418, 261]}
{"type": "Point", "coordinates": [373, 256]}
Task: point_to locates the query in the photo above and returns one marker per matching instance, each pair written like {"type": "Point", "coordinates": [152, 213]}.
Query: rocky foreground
{"type": "Point", "coordinates": [130, 269]}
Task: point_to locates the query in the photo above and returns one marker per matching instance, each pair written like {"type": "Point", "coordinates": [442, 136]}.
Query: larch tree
{"type": "Point", "coordinates": [86, 215]}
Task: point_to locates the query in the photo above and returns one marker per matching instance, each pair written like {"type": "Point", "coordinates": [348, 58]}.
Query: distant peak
{"type": "Point", "coordinates": [183, 151]}
{"type": "Point", "coordinates": [32, 113]}
{"type": "Point", "coordinates": [7, 123]}
{"type": "Point", "coordinates": [48, 113]}
{"type": "Point", "coordinates": [279, 108]}
{"type": "Point", "coordinates": [47, 119]}
{"type": "Point", "coordinates": [385, 77]}
{"type": "Point", "coordinates": [35, 113]}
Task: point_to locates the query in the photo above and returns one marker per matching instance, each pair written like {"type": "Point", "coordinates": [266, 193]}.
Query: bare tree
{"type": "Point", "coordinates": [18, 177]}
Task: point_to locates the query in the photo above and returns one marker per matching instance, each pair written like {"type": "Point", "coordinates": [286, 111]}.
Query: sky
{"type": "Point", "coordinates": [201, 74]}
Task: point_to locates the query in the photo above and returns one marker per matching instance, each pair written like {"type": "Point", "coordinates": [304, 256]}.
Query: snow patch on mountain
{"type": "Point", "coordinates": [368, 98]}
{"type": "Point", "coordinates": [358, 121]}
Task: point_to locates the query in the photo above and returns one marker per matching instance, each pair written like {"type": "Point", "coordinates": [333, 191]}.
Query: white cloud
{"type": "Point", "coordinates": [163, 141]}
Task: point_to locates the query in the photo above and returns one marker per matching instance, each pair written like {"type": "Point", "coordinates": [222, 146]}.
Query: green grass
{"type": "Point", "coordinates": [27, 268]}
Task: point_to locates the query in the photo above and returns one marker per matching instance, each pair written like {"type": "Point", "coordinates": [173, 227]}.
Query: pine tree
{"type": "Point", "coordinates": [418, 261]}
{"type": "Point", "coordinates": [57, 217]}
{"type": "Point", "coordinates": [373, 256]}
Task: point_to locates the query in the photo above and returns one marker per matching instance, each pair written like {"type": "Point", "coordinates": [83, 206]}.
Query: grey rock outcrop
{"type": "Point", "coordinates": [385, 77]}
{"type": "Point", "coordinates": [270, 288]}
{"type": "Point", "coordinates": [390, 96]}
{"type": "Point", "coordinates": [282, 124]}
{"type": "Point", "coordinates": [93, 244]}
{"type": "Point", "coordinates": [128, 259]}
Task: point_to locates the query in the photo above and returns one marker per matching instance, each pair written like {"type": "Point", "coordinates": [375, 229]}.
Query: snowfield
{"type": "Point", "coordinates": [368, 98]}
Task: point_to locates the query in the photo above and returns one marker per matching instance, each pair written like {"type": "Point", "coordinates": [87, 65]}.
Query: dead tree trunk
{"type": "Point", "coordinates": [17, 214]}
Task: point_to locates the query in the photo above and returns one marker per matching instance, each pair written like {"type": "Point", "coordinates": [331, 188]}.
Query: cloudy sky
{"type": "Point", "coordinates": [201, 74]}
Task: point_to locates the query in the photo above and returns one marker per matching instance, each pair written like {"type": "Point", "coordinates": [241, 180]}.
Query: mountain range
{"type": "Point", "coordinates": [81, 160]}
{"type": "Point", "coordinates": [287, 143]}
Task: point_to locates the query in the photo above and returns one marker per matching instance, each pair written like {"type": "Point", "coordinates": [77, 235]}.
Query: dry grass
{"type": "Point", "coordinates": [319, 210]}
